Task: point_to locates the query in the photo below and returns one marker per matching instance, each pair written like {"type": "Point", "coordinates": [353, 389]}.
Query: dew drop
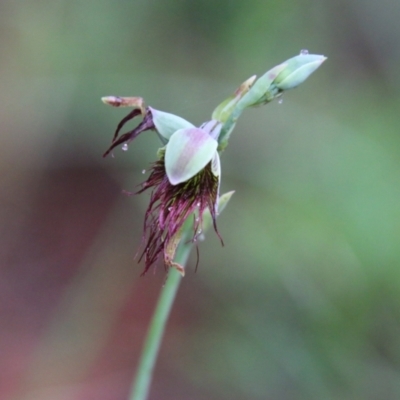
{"type": "Point", "coordinates": [198, 204]}
{"type": "Point", "coordinates": [201, 237]}
{"type": "Point", "coordinates": [280, 101]}
{"type": "Point", "coordinates": [197, 219]}
{"type": "Point", "coordinates": [169, 208]}
{"type": "Point", "coordinates": [143, 171]}
{"type": "Point", "coordinates": [124, 147]}
{"type": "Point", "coordinates": [112, 155]}
{"type": "Point", "coordinates": [304, 52]}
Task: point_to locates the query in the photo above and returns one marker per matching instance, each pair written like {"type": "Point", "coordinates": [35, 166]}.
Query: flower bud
{"type": "Point", "coordinates": [223, 110]}
{"type": "Point", "coordinates": [297, 70]}
{"type": "Point", "coordinates": [257, 94]}
{"type": "Point", "coordinates": [167, 124]}
{"type": "Point", "coordinates": [187, 153]}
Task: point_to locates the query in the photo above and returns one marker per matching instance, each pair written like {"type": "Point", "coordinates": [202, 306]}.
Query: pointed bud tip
{"type": "Point", "coordinates": [298, 69]}
{"type": "Point", "coordinates": [251, 80]}
{"type": "Point", "coordinates": [245, 86]}
{"type": "Point", "coordinates": [224, 200]}
{"type": "Point", "coordinates": [228, 195]}
{"type": "Point", "coordinates": [319, 59]}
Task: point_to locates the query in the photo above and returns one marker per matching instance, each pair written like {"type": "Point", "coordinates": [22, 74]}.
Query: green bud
{"type": "Point", "coordinates": [187, 153]}
{"type": "Point", "coordinates": [223, 110]}
{"type": "Point", "coordinates": [167, 124]}
{"type": "Point", "coordinates": [271, 85]}
{"type": "Point", "coordinates": [257, 94]}
{"type": "Point", "coordinates": [297, 70]}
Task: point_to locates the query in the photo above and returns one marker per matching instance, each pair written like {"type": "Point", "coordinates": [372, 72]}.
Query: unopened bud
{"type": "Point", "coordinates": [224, 110]}
{"type": "Point", "coordinates": [259, 93]}
{"type": "Point", "coordinates": [297, 70]}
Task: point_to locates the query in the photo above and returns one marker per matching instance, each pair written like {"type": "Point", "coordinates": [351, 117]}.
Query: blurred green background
{"type": "Point", "coordinates": [303, 302]}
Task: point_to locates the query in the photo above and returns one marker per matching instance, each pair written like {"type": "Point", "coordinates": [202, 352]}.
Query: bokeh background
{"type": "Point", "coordinates": [303, 302]}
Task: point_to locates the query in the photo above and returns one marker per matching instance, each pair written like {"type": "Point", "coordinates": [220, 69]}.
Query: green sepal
{"type": "Point", "coordinates": [167, 123]}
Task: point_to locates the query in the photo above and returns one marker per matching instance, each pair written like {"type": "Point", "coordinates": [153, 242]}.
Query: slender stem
{"type": "Point", "coordinates": [141, 385]}
{"type": "Point", "coordinates": [152, 344]}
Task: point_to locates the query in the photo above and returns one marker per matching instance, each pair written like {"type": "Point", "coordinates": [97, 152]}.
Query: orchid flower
{"type": "Point", "coordinates": [186, 177]}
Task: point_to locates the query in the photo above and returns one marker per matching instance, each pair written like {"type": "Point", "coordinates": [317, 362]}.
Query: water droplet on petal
{"type": "Point", "coordinates": [197, 219]}
{"type": "Point", "coordinates": [304, 52]}
{"type": "Point", "coordinates": [169, 208]}
{"type": "Point", "coordinates": [124, 147]}
{"type": "Point", "coordinates": [143, 171]}
{"type": "Point", "coordinates": [201, 237]}
{"type": "Point", "coordinates": [198, 204]}
{"type": "Point", "coordinates": [280, 101]}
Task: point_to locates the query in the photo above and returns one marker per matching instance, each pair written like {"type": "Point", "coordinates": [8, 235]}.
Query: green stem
{"type": "Point", "coordinates": [152, 344]}
{"type": "Point", "coordinates": [141, 386]}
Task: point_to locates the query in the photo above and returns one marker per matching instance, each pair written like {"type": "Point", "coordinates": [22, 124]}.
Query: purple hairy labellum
{"type": "Point", "coordinates": [170, 206]}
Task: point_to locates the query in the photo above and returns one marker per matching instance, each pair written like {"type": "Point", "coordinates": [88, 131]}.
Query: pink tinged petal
{"type": "Point", "coordinates": [213, 128]}
{"type": "Point", "coordinates": [187, 153]}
